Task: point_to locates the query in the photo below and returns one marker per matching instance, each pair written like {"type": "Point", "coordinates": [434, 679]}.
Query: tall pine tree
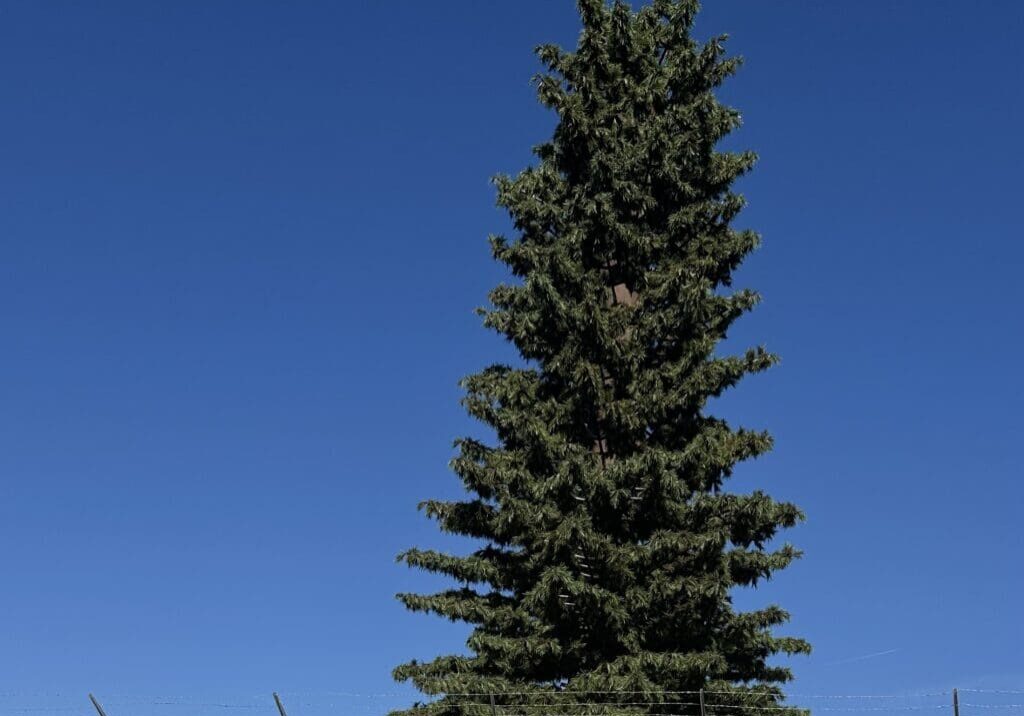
{"type": "Point", "coordinates": [611, 549]}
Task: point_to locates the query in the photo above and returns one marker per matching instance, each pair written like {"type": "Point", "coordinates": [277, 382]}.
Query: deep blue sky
{"type": "Point", "coordinates": [240, 249]}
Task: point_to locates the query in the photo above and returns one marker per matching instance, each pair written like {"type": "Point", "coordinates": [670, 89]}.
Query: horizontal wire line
{"type": "Point", "coordinates": [195, 703]}
{"type": "Point", "coordinates": [555, 707]}
{"type": "Point", "coordinates": [561, 693]}
{"type": "Point", "coordinates": [707, 705]}
{"type": "Point", "coordinates": [729, 693]}
{"type": "Point", "coordinates": [624, 713]}
{"type": "Point", "coordinates": [666, 703]}
{"type": "Point", "coordinates": [826, 708]}
{"type": "Point", "coordinates": [994, 706]}
{"type": "Point", "coordinates": [498, 693]}
{"type": "Point", "coordinates": [391, 695]}
{"type": "Point", "coordinates": [578, 703]}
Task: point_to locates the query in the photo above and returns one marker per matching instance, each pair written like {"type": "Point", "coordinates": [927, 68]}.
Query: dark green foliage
{"type": "Point", "coordinates": [611, 549]}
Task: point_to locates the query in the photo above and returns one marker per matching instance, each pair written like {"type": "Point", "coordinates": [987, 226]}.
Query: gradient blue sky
{"type": "Point", "coordinates": [240, 249]}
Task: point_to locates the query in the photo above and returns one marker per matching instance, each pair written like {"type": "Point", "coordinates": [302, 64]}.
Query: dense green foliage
{"type": "Point", "coordinates": [610, 548]}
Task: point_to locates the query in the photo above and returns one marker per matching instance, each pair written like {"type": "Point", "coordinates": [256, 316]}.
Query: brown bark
{"type": "Point", "coordinates": [618, 294]}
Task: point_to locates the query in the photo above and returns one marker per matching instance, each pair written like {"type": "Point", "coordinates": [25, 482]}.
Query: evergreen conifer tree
{"type": "Point", "coordinates": [609, 548]}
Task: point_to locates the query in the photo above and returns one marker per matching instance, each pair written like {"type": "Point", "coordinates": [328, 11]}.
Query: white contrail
{"type": "Point", "coordinates": [862, 658]}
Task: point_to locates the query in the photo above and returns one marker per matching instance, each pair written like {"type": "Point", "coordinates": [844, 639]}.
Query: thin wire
{"type": "Point", "coordinates": [869, 696]}
{"type": "Point", "coordinates": [254, 701]}
{"type": "Point", "coordinates": [835, 696]}
{"type": "Point", "coordinates": [350, 693]}
{"type": "Point", "coordinates": [597, 704]}
{"type": "Point", "coordinates": [562, 692]}
{"type": "Point", "coordinates": [625, 713]}
{"type": "Point", "coordinates": [571, 703]}
{"type": "Point", "coordinates": [738, 692]}
{"type": "Point", "coordinates": [826, 708]}
{"type": "Point", "coordinates": [995, 706]}
{"type": "Point", "coordinates": [876, 708]}
{"type": "Point", "coordinates": [778, 701]}
{"type": "Point", "coordinates": [194, 703]}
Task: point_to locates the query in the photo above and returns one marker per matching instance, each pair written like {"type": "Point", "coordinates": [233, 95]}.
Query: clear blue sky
{"type": "Point", "coordinates": [240, 249]}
